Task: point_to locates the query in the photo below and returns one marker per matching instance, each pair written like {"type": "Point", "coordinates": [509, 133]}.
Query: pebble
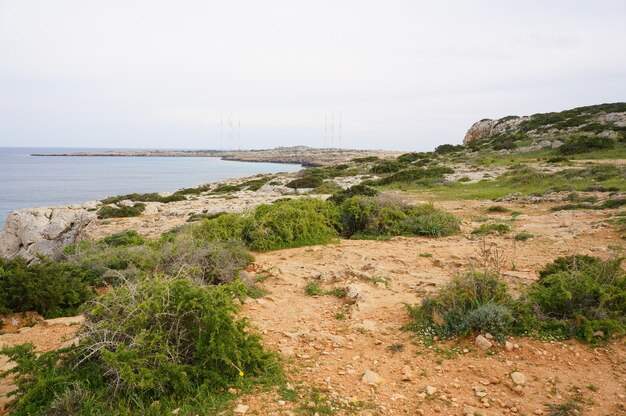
{"type": "Point", "coordinates": [430, 390]}
{"type": "Point", "coordinates": [518, 378]}
{"type": "Point", "coordinates": [241, 409]}
{"type": "Point", "coordinates": [483, 343]}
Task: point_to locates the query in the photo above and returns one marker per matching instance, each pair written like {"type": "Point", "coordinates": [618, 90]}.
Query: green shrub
{"type": "Point", "coordinates": [255, 184]}
{"type": "Point", "coordinates": [367, 159]}
{"type": "Point", "coordinates": [383, 216]}
{"type": "Point", "coordinates": [584, 144]}
{"type": "Point", "coordinates": [524, 236]}
{"type": "Point", "coordinates": [578, 296]}
{"type": "Point", "coordinates": [469, 303]}
{"type": "Point", "coordinates": [150, 197]}
{"type": "Point", "coordinates": [412, 157]}
{"type": "Point", "coordinates": [161, 339]}
{"type": "Point", "coordinates": [109, 211]}
{"type": "Point", "coordinates": [497, 208]}
{"type": "Point", "coordinates": [387, 166]}
{"type": "Point", "coordinates": [226, 189]}
{"type": "Point", "coordinates": [313, 289]}
{"type": "Point", "coordinates": [327, 188]}
{"type": "Point", "coordinates": [415, 174]}
{"type": "Point", "coordinates": [360, 189]}
{"type": "Point", "coordinates": [291, 223]}
{"type": "Point", "coordinates": [50, 288]}
{"type": "Point", "coordinates": [124, 239]}
{"type": "Point", "coordinates": [569, 408]}
{"type": "Point", "coordinates": [305, 182]}
{"type": "Point", "coordinates": [499, 228]}
{"type": "Point", "coordinates": [448, 148]}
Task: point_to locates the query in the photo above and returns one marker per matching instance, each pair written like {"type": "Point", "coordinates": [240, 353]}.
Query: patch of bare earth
{"type": "Point", "coordinates": [330, 343]}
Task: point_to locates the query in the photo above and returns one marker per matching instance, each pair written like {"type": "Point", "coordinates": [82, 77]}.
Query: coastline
{"type": "Point", "coordinates": [301, 155]}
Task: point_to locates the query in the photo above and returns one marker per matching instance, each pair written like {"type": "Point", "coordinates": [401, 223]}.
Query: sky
{"type": "Point", "coordinates": [402, 75]}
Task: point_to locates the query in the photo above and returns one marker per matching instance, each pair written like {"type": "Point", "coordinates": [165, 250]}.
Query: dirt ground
{"type": "Point", "coordinates": [329, 343]}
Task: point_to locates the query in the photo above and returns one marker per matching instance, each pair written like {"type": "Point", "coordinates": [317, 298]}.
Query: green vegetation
{"type": "Point", "coordinates": [50, 288]}
{"type": "Point", "coordinates": [147, 348]}
{"type": "Point", "coordinates": [497, 209]}
{"type": "Point", "coordinates": [585, 143]}
{"type": "Point", "coordinates": [152, 197]}
{"type": "Point", "coordinates": [363, 190]}
{"type": "Point", "coordinates": [524, 236]}
{"type": "Point", "coordinates": [499, 228]}
{"type": "Point", "coordinates": [569, 408]}
{"type": "Point", "coordinates": [375, 217]}
{"type": "Point", "coordinates": [305, 182]}
{"type": "Point", "coordinates": [109, 211]}
{"type": "Point", "coordinates": [575, 297]}
{"type": "Point", "coordinates": [473, 302]}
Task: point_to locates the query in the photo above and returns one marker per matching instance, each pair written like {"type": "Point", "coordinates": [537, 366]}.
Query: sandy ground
{"type": "Point", "coordinates": [329, 343]}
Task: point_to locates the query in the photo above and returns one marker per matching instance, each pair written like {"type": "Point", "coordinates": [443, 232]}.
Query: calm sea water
{"type": "Point", "coordinates": [31, 181]}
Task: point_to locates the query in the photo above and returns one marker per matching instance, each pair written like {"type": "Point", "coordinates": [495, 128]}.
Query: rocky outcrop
{"type": "Point", "coordinates": [488, 127]}
{"type": "Point", "coordinates": [42, 231]}
{"type": "Point", "coordinates": [606, 120]}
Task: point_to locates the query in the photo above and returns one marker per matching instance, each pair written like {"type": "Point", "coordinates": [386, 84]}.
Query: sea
{"type": "Point", "coordinates": [39, 181]}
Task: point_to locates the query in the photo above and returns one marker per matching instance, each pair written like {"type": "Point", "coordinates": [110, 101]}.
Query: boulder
{"type": "Point", "coordinates": [42, 231]}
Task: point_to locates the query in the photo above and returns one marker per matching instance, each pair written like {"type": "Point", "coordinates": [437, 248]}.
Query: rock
{"type": "Point", "coordinates": [556, 144]}
{"type": "Point", "coordinates": [598, 334]}
{"type": "Point", "coordinates": [469, 410]}
{"type": "Point", "coordinates": [483, 343]}
{"type": "Point", "coordinates": [407, 375]}
{"type": "Point", "coordinates": [67, 321]}
{"type": "Point", "coordinates": [45, 231]}
{"type": "Point", "coordinates": [508, 346]}
{"type": "Point", "coordinates": [286, 351]}
{"type": "Point", "coordinates": [545, 144]}
{"type": "Point", "coordinates": [241, 409]}
{"type": "Point", "coordinates": [371, 378]}
{"type": "Point", "coordinates": [518, 378]}
{"type": "Point", "coordinates": [430, 390]}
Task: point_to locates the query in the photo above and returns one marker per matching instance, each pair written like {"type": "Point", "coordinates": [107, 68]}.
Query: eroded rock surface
{"type": "Point", "coordinates": [45, 231]}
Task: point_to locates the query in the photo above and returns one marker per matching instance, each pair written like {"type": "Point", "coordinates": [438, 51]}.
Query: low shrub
{"type": "Point", "coordinates": [109, 211]}
{"type": "Point", "coordinates": [124, 239]}
{"type": "Point", "coordinates": [448, 148]}
{"type": "Point", "coordinates": [497, 208]}
{"type": "Point", "coordinates": [161, 339]}
{"type": "Point", "coordinates": [524, 236]}
{"type": "Point", "coordinates": [585, 144]}
{"type": "Point", "coordinates": [387, 166]}
{"type": "Point", "coordinates": [499, 228]}
{"type": "Point", "coordinates": [50, 288]}
{"type": "Point", "coordinates": [291, 223]}
{"type": "Point", "coordinates": [150, 197]}
{"type": "Point", "coordinates": [327, 188]}
{"type": "Point", "coordinates": [360, 189]}
{"type": "Point", "coordinates": [226, 189]}
{"type": "Point", "coordinates": [383, 216]}
{"type": "Point", "coordinates": [579, 296]}
{"type": "Point", "coordinates": [415, 174]}
{"type": "Point", "coordinates": [305, 182]}
{"type": "Point", "coordinates": [470, 303]}
{"type": "Point", "coordinates": [414, 156]}
{"type": "Point", "coordinates": [367, 159]}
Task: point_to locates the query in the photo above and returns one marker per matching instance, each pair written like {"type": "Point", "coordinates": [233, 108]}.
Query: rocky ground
{"type": "Point", "coordinates": [350, 355]}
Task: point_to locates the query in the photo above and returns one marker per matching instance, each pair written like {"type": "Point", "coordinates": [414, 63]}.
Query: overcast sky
{"type": "Point", "coordinates": [404, 74]}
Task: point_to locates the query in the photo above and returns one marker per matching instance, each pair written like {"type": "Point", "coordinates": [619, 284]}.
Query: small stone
{"type": "Point", "coordinates": [538, 412]}
{"type": "Point", "coordinates": [286, 351]}
{"type": "Point", "coordinates": [483, 343]}
{"type": "Point", "coordinates": [282, 402]}
{"type": "Point", "coordinates": [430, 390]}
{"type": "Point", "coordinates": [175, 411]}
{"type": "Point", "coordinates": [371, 378]}
{"type": "Point", "coordinates": [508, 346]}
{"type": "Point", "coordinates": [233, 391]}
{"type": "Point", "coordinates": [488, 336]}
{"type": "Point", "coordinates": [468, 410]}
{"type": "Point", "coordinates": [518, 378]}
{"type": "Point", "coordinates": [241, 409]}
{"type": "Point", "coordinates": [407, 375]}
{"type": "Point", "coordinates": [598, 334]}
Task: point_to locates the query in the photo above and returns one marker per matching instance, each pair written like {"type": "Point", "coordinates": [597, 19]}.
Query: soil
{"type": "Point", "coordinates": [329, 343]}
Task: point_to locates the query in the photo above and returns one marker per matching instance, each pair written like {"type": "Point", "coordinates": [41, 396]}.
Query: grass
{"type": "Point", "coordinates": [524, 236]}
{"type": "Point", "coordinates": [497, 209]}
{"type": "Point", "coordinates": [314, 289]}
{"type": "Point", "coordinates": [569, 408]}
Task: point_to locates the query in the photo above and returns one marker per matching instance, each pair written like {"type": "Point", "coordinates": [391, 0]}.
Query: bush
{"type": "Point", "coordinates": [305, 182]}
{"type": "Point", "coordinates": [360, 189]}
{"type": "Point", "coordinates": [150, 197]}
{"type": "Point", "coordinates": [327, 188]}
{"type": "Point", "coordinates": [161, 339]}
{"type": "Point", "coordinates": [497, 208]}
{"type": "Point", "coordinates": [584, 144]}
{"type": "Point", "coordinates": [109, 211]}
{"type": "Point", "coordinates": [448, 148]}
{"type": "Point", "coordinates": [415, 174]}
{"type": "Point", "coordinates": [291, 223]}
{"type": "Point", "coordinates": [124, 239]}
{"type": "Point", "coordinates": [469, 303]}
{"type": "Point", "coordinates": [387, 166]}
{"type": "Point", "coordinates": [412, 157]}
{"type": "Point", "coordinates": [578, 296]}
{"type": "Point", "coordinates": [383, 216]}
{"type": "Point", "coordinates": [524, 236]}
{"type": "Point", "coordinates": [499, 228]}
{"type": "Point", "coordinates": [49, 288]}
